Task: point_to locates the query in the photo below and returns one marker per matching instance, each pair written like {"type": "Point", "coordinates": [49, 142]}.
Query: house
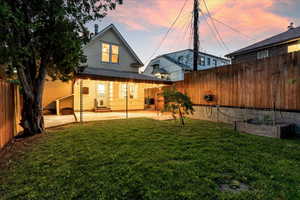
{"type": "Point", "coordinates": [110, 81]}
{"type": "Point", "coordinates": [283, 43]}
{"type": "Point", "coordinates": [172, 66]}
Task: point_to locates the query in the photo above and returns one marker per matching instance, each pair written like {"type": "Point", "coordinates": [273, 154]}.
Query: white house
{"type": "Point", "coordinates": [172, 66]}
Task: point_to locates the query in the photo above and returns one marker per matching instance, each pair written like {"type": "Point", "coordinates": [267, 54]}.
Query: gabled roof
{"type": "Point", "coordinates": [110, 73]}
{"type": "Point", "coordinates": [288, 36]}
{"type": "Point", "coordinates": [113, 28]}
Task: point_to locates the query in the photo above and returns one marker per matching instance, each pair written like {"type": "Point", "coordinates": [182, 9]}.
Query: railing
{"type": "Point", "coordinates": [67, 102]}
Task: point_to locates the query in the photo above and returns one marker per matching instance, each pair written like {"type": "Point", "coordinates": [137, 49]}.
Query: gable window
{"type": "Point", "coordinates": [293, 48]}
{"type": "Point", "coordinates": [110, 53]}
{"type": "Point", "coordinates": [105, 52]}
{"type": "Point", "coordinates": [114, 54]}
{"type": "Point", "coordinates": [263, 54]}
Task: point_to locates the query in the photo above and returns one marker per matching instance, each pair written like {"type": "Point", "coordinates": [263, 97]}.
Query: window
{"type": "Point", "coordinates": [201, 61]}
{"type": "Point", "coordinates": [115, 54]}
{"type": "Point", "coordinates": [132, 91]}
{"type": "Point", "coordinates": [123, 91]}
{"type": "Point", "coordinates": [208, 61]}
{"type": "Point", "coordinates": [262, 54]}
{"type": "Point", "coordinates": [110, 53]}
{"type": "Point", "coordinates": [101, 90]}
{"type": "Point", "coordinates": [215, 62]}
{"type": "Point", "coordinates": [105, 52]}
{"type": "Point", "coordinates": [293, 48]}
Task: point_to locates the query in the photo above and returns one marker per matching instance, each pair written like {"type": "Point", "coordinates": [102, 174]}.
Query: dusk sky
{"type": "Point", "coordinates": [143, 23]}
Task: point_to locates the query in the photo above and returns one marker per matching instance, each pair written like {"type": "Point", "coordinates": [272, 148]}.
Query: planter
{"type": "Point", "coordinates": [280, 130]}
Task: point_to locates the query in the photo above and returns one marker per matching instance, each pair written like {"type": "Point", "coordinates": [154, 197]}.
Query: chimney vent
{"type": "Point", "coordinates": [96, 29]}
{"type": "Point", "coordinates": [291, 26]}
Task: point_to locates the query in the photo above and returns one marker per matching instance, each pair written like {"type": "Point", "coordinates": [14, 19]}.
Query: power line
{"type": "Point", "coordinates": [214, 25]}
{"type": "Point", "coordinates": [233, 29]}
{"type": "Point", "coordinates": [212, 31]}
{"type": "Point", "coordinates": [170, 28]}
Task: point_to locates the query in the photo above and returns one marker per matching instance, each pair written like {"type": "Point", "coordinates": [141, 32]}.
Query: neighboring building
{"type": "Point", "coordinates": [109, 82]}
{"type": "Point", "coordinates": [282, 43]}
{"type": "Point", "coordinates": [172, 66]}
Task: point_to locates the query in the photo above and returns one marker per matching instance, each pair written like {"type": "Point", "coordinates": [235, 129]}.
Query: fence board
{"type": "Point", "coordinates": [9, 115]}
{"type": "Point", "coordinates": [258, 84]}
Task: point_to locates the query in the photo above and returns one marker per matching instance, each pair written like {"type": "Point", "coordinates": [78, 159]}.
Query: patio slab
{"type": "Point", "coordinates": [58, 120]}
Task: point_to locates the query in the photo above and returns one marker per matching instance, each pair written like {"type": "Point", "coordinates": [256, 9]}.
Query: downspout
{"type": "Point", "coordinates": [81, 101]}
{"type": "Point", "coordinates": [126, 110]}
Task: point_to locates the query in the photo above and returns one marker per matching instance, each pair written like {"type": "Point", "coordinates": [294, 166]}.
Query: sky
{"type": "Point", "coordinates": [143, 23]}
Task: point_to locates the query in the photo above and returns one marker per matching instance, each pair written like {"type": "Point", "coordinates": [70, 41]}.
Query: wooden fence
{"type": "Point", "coordinates": [262, 84]}
{"type": "Point", "coordinates": [9, 112]}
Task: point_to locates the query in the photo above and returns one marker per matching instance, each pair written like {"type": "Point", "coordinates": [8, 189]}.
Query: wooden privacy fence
{"type": "Point", "coordinates": [263, 84]}
{"type": "Point", "coordinates": [9, 112]}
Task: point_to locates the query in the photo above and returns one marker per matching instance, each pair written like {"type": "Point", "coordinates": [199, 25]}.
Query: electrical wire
{"type": "Point", "coordinates": [169, 30]}
{"type": "Point", "coordinates": [214, 25]}
{"type": "Point", "coordinates": [233, 29]}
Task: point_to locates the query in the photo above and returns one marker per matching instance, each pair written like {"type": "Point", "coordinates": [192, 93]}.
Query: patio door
{"type": "Point", "coordinates": [101, 95]}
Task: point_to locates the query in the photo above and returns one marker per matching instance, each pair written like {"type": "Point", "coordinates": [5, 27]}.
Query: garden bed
{"type": "Point", "coordinates": [278, 130]}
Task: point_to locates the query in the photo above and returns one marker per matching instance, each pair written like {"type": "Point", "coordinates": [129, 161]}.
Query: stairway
{"type": "Point", "coordinates": [102, 109]}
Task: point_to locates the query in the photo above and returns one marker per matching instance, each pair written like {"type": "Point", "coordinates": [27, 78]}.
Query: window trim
{"type": "Point", "coordinates": [110, 53]}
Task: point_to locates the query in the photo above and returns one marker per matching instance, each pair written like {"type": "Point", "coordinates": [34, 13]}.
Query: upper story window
{"type": "Point", "coordinates": [201, 61]}
{"type": "Point", "coordinates": [208, 61]}
{"type": "Point", "coordinates": [294, 48]}
{"type": "Point", "coordinates": [263, 54]}
{"type": "Point", "coordinates": [215, 62]}
{"type": "Point", "coordinates": [110, 53]}
{"type": "Point", "coordinates": [105, 52]}
{"type": "Point", "coordinates": [115, 54]}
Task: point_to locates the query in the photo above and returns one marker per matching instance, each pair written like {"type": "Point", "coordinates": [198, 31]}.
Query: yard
{"type": "Point", "coordinates": [149, 159]}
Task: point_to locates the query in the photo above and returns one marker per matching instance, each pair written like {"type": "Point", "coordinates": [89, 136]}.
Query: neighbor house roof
{"type": "Point", "coordinates": [288, 36]}
{"type": "Point", "coordinates": [112, 27]}
{"type": "Point", "coordinates": [110, 73]}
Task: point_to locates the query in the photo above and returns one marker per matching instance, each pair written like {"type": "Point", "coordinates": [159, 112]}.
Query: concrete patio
{"type": "Point", "coordinates": [58, 120]}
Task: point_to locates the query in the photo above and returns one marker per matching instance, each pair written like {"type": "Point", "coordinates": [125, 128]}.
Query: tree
{"type": "Point", "coordinates": [177, 103]}
{"type": "Point", "coordinates": [44, 37]}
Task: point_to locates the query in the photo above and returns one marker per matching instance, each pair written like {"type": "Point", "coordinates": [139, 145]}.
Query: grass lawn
{"type": "Point", "coordinates": [147, 159]}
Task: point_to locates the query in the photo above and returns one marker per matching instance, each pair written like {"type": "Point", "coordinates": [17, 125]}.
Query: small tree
{"type": "Point", "coordinates": [44, 37]}
{"type": "Point", "coordinates": [177, 103]}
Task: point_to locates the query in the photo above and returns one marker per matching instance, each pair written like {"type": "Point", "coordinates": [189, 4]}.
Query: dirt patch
{"type": "Point", "coordinates": [17, 145]}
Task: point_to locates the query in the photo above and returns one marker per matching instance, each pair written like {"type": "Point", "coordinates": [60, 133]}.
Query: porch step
{"type": "Point", "coordinates": [102, 109]}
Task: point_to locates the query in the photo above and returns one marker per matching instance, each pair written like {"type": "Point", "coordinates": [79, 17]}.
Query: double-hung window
{"type": "Point", "coordinates": [110, 53]}
{"type": "Point", "coordinates": [105, 52]}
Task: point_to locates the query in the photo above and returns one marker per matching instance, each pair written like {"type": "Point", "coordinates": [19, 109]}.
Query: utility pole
{"type": "Point", "coordinates": [196, 34]}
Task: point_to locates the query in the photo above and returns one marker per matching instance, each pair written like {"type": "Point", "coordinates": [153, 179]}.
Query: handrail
{"type": "Point", "coordinates": [58, 101]}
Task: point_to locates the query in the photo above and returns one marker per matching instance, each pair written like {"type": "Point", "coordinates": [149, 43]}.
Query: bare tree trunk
{"type": "Point", "coordinates": [32, 113]}
{"type": "Point", "coordinates": [181, 116]}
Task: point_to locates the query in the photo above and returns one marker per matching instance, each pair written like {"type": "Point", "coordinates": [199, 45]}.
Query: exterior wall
{"type": "Point", "coordinates": [273, 51]}
{"type": "Point", "coordinates": [176, 73]}
{"type": "Point", "coordinates": [113, 91]}
{"type": "Point", "coordinates": [93, 51]}
{"type": "Point", "coordinates": [187, 56]}
{"type": "Point", "coordinates": [54, 90]}
{"type": "Point", "coordinates": [229, 115]}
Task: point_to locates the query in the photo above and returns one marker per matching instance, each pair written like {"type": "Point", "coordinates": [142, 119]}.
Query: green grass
{"type": "Point", "coordinates": [147, 159]}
